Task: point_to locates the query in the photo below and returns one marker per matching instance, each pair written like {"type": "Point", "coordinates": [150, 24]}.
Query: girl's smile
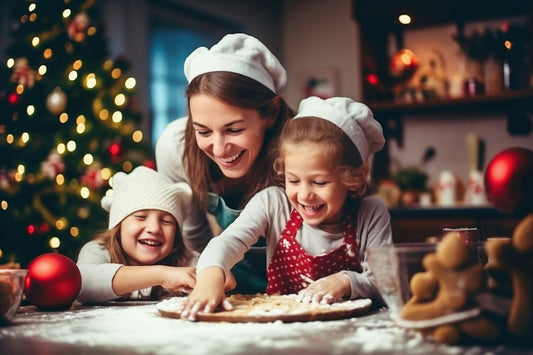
{"type": "Point", "coordinates": [311, 185]}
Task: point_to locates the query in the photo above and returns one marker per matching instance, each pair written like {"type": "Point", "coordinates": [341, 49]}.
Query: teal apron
{"type": "Point", "coordinates": [250, 272]}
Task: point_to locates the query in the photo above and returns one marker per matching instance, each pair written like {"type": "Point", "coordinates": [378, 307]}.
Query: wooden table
{"type": "Point", "coordinates": [137, 328]}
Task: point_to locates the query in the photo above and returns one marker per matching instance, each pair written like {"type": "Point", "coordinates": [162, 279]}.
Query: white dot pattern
{"type": "Point", "coordinates": [290, 260]}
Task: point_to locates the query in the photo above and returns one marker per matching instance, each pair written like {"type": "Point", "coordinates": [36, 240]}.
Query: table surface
{"type": "Point", "coordinates": [137, 328]}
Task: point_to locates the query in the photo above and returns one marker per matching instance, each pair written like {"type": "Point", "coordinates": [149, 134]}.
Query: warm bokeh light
{"type": "Point", "coordinates": [404, 19]}
{"type": "Point", "coordinates": [54, 242]}
{"type": "Point", "coordinates": [137, 136]}
{"type": "Point", "coordinates": [130, 83]}
{"type": "Point", "coordinates": [66, 13]}
{"type": "Point", "coordinates": [117, 117]}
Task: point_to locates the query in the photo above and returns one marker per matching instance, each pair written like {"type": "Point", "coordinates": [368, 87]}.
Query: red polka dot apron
{"type": "Point", "coordinates": [290, 261]}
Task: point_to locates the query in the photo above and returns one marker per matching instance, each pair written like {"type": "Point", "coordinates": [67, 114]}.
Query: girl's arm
{"type": "Point", "coordinates": [131, 278]}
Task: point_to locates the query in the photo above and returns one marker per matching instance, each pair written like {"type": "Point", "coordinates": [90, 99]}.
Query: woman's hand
{"type": "Point", "coordinates": [181, 279]}
{"type": "Point", "coordinates": [207, 294]}
{"type": "Point", "coordinates": [326, 290]}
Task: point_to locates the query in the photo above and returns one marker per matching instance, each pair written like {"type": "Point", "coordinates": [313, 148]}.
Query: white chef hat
{"type": "Point", "coordinates": [145, 188]}
{"type": "Point", "coordinates": [354, 118]}
{"type": "Point", "coordinates": [238, 53]}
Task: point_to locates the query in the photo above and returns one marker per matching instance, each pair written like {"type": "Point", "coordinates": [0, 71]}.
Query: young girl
{"type": "Point", "coordinates": [317, 230]}
{"type": "Point", "coordinates": [142, 253]}
{"type": "Point", "coordinates": [222, 149]}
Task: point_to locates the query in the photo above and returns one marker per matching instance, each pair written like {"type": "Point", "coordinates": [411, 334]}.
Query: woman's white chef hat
{"type": "Point", "coordinates": [354, 118]}
{"type": "Point", "coordinates": [238, 53]}
{"type": "Point", "coordinates": [145, 188]}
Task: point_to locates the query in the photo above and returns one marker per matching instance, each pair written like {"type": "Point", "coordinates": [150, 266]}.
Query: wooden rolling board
{"type": "Point", "coordinates": [261, 308]}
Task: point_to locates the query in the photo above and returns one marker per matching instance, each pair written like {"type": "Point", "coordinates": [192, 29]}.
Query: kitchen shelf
{"type": "Point", "coordinates": [516, 100]}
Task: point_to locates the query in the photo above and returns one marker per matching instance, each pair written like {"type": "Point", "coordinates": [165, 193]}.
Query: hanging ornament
{"type": "Point", "coordinates": [22, 73]}
{"type": "Point", "coordinates": [53, 282]}
{"type": "Point", "coordinates": [13, 98]}
{"type": "Point", "coordinates": [78, 26]}
{"type": "Point", "coordinates": [53, 165]}
{"type": "Point", "coordinates": [56, 102]}
{"type": "Point", "coordinates": [508, 180]}
{"type": "Point", "coordinates": [93, 177]}
{"type": "Point", "coordinates": [115, 150]}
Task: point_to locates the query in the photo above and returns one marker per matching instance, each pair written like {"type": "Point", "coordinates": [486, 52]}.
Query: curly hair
{"type": "Point", "coordinates": [338, 150]}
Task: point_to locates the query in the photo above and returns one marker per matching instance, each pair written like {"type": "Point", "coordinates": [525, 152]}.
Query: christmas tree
{"type": "Point", "coordinates": [68, 122]}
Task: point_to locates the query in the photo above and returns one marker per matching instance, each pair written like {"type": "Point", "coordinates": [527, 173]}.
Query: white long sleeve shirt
{"type": "Point", "coordinates": [266, 216]}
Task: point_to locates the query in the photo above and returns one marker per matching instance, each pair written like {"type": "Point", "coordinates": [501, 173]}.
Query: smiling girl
{"type": "Point", "coordinates": [141, 256]}
{"type": "Point", "coordinates": [319, 227]}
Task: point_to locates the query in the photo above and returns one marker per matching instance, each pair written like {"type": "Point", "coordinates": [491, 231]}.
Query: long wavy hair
{"type": "Point", "coordinates": [338, 150]}
{"type": "Point", "coordinates": [237, 90]}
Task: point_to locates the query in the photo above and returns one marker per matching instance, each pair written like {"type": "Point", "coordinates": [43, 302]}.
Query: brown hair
{"type": "Point", "coordinates": [338, 150]}
{"type": "Point", "coordinates": [240, 91]}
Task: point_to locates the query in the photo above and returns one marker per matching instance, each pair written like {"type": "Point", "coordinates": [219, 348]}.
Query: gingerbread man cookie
{"type": "Point", "coordinates": [516, 257]}
{"type": "Point", "coordinates": [449, 286]}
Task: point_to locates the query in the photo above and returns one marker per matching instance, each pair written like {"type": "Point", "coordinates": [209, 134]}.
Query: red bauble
{"type": "Point", "coordinates": [53, 282]}
{"type": "Point", "coordinates": [509, 180]}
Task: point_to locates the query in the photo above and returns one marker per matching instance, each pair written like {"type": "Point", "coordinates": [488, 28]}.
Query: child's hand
{"type": "Point", "coordinates": [326, 290]}
{"type": "Point", "coordinates": [207, 294]}
{"type": "Point", "coordinates": [181, 279]}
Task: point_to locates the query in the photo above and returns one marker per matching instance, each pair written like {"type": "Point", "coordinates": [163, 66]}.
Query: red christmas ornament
{"type": "Point", "coordinates": [53, 282]}
{"type": "Point", "coordinates": [509, 180]}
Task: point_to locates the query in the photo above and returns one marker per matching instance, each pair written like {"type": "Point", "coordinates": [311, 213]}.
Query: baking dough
{"type": "Point", "coordinates": [262, 308]}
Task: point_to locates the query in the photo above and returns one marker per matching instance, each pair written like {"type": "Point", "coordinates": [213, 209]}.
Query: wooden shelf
{"type": "Point", "coordinates": [505, 101]}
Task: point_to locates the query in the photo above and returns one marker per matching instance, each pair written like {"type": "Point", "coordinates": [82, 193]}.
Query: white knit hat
{"type": "Point", "coordinates": [238, 53]}
{"type": "Point", "coordinates": [145, 188]}
{"type": "Point", "coordinates": [354, 118]}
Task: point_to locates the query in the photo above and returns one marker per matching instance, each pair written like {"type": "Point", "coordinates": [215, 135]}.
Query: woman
{"type": "Point", "coordinates": [222, 149]}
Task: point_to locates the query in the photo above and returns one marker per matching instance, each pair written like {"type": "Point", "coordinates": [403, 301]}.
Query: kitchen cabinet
{"type": "Point", "coordinates": [378, 24]}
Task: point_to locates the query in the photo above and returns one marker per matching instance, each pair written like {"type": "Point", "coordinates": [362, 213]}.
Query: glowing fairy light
{"type": "Point", "coordinates": [115, 73]}
{"type": "Point", "coordinates": [88, 159]}
{"type": "Point", "coordinates": [60, 179]}
{"type": "Point", "coordinates": [30, 110]}
{"type": "Point", "coordinates": [35, 41]}
{"type": "Point", "coordinates": [61, 148]}
{"type": "Point", "coordinates": [47, 54]}
{"type": "Point", "coordinates": [137, 136]}
{"type": "Point", "coordinates": [10, 62]}
{"type": "Point", "coordinates": [63, 118]}
{"type": "Point", "coordinates": [25, 137]}
{"type": "Point", "coordinates": [42, 69]}
{"type": "Point", "coordinates": [32, 7]}
{"type": "Point", "coordinates": [117, 117]}
{"type": "Point", "coordinates": [72, 75]}
{"type": "Point", "coordinates": [80, 128]}
{"type": "Point", "coordinates": [71, 146]}
{"type": "Point", "coordinates": [66, 13]}
{"type": "Point", "coordinates": [103, 114]}
{"type": "Point", "coordinates": [4, 205]}
{"type": "Point", "coordinates": [54, 242]}
{"type": "Point", "coordinates": [85, 192]}
{"type": "Point", "coordinates": [10, 139]}
{"type": "Point", "coordinates": [105, 173]}
{"type": "Point", "coordinates": [77, 64]}
{"type": "Point", "coordinates": [120, 99]}
{"type": "Point", "coordinates": [130, 83]}
{"type": "Point", "coordinates": [74, 231]}
{"type": "Point", "coordinates": [90, 80]}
